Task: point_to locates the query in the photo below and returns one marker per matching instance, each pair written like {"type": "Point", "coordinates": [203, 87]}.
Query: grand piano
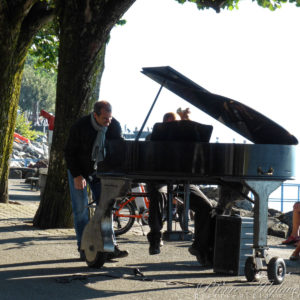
{"type": "Point", "coordinates": [186, 158]}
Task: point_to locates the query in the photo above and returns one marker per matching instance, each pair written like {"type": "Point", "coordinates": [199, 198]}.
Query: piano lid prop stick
{"type": "Point", "coordinates": [147, 117]}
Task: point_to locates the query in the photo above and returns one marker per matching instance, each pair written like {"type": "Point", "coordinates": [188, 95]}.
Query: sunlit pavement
{"type": "Point", "coordinates": [44, 264]}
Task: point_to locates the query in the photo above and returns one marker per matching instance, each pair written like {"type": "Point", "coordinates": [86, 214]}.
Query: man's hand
{"type": "Point", "coordinates": [79, 183]}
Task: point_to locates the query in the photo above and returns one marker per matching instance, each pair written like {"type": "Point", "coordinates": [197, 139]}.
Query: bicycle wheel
{"type": "Point", "coordinates": [123, 223]}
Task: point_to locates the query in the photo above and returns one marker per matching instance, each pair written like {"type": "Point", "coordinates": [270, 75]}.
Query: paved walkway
{"type": "Point", "coordinates": [43, 264]}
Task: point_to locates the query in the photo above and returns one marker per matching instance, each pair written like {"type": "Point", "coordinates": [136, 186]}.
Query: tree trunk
{"type": "Point", "coordinates": [19, 22]}
{"type": "Point", "coordinates": [84, 29]}
{"type": "Point", "coordinates": [8, 112]}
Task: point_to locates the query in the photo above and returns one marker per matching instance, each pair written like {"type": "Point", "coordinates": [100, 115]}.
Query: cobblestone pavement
{"type": "Point", "coordinates": [15, 211]}
{"type": "Point", "coordinates": [22, 206]}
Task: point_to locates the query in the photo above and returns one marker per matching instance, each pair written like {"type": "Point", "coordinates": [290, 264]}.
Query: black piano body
{"type": "Point", "coordinates": [205, 163]}
{"type": "Point", "coordinates": [171, 158]}
{"type": "Point", "coordinates": [182, 149]}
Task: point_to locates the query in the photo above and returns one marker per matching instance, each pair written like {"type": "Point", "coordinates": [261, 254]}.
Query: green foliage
{"type": "Point", "coordinates": [233, 4]}
{"type": "Point", "coordinates": [45, 47]}
{"type": "Point", "coordinates": [121, 22]}
{"type": "Point", "coordinates": [38, 90]}
{"type": "Point", "coordinates": [46, 44]}
{"type": "Point", "coordinates": [23, 127]}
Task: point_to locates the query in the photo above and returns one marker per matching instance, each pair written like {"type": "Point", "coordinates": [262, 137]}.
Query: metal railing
{"type": "Point", "coordinates": [289, 193]}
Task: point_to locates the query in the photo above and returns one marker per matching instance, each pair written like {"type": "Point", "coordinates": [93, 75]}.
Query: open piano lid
{"type": "Point", "coordinates": [235, 115]}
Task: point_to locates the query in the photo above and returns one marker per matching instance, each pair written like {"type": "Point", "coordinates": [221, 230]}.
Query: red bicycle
{"type": "Point", "coordinates": [134, 207]}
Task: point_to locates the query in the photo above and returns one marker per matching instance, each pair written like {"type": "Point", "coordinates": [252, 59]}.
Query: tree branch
{"type": "Point", "coordinates": [14, 10]}
{"type": "Point", "coordinates": [102, 15]}
{"type": "Point", "coordinates": [110, 12]}
{"type": "Point", "coordinates": [39, 15]}
{"type": "Point", "coordinates": [117, 9]}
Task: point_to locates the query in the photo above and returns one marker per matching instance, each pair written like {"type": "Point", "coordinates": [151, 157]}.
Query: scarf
{"type": "Point", "coordinates": [98, 152]}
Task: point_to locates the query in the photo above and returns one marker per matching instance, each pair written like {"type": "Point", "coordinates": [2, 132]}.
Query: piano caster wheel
{"type": "Point", "coordinates": [276, 270]}
{"type": "Point", "coordinates": [95, 259]}
{"type": "Point", "coordinates": [251, 273]}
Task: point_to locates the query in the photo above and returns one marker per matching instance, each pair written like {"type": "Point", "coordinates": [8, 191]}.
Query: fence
{"type": "Point", "coordinates": [285, 196]}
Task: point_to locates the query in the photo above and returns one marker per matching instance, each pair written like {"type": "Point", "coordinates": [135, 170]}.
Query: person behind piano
{"type": "Point", "coordinates": [202, 246]}
{"type": "Point", "coordinates": [169, 117]}
{"type": "Point", "coordinates": [158, 200]}
{"type": "Point", "coordinates": [83, 151]}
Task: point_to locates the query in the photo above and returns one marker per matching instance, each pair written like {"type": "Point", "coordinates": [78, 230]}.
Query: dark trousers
{"type": "Point", "coordinates": [158, 198]}
{"type": "Point", "coordinates": [204, 223]}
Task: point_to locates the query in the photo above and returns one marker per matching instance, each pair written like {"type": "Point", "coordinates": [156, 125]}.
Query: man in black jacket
{"type": "Point", "coordinates": [83, 151]}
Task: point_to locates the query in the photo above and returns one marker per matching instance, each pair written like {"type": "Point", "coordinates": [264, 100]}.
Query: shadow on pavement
{"type": "Point", "coordinates": [32, 198]}
{"type": "Point", "coordinates": [78, 282]}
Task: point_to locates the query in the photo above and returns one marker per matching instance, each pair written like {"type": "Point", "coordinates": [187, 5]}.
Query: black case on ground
{"type": "Point", "coordinates": [233, 244]}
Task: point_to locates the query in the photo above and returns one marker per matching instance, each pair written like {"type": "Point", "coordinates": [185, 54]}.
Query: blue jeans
{"type": "Point", "coordinates": [79, 199]}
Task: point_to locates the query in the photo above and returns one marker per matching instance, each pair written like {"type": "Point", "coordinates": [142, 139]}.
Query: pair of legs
{"type": "Point", "coordinates": [296, 220]}
{"type": "Point", "coordinates": [203, 244]}
{"type": "Point", "coordinates": [158, 198]}
{"type": "Point", "coordinates": [295, 254]}
{"type": "Point", "coordinates": [295, 234]}
{"type": "Point", "coordinates": [79, 199]}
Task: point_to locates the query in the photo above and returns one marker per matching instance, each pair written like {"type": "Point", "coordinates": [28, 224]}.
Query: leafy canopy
{"type": "Point", "coordinates": [45, 47]}
{"type": "Point", "coordinates": [38, 86]}
{"type": "Point", "coordinates": [231, 4]}
{"type": "Point", "coordinates": [46, 43]}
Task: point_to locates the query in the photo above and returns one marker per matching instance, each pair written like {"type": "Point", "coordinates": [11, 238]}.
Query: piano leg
{"type": "Point", "coordinates": [170, 234]}
{"type": "Point", "coordinates": [186, 207]}
{"type": "Point", "coordinates": [97, 238]}
{"type": "Point", "coordinates": [275, 266]}
{"type": "Point", "coordinates": [169, 207]}
{"type": "Point", "coordinates": [261, 191]}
